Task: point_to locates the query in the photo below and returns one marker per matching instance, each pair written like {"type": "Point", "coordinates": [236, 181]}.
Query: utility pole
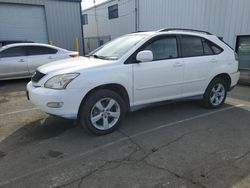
{"type": "Point", "coordinates": [97, 25]}
{"type": "Point", "coordinates": [136, 15]}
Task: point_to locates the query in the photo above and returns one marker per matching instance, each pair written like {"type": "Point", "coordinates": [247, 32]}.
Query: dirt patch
{"type": "Point", "coordinates": [3, 100]}
{"type": "Point", "coordinates": [52, 154]}
{"type": "Point", "coordinates": [2, 154]}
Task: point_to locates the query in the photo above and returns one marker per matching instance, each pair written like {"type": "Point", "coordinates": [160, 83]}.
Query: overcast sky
{"type": "Point", "coordinates": [89, 3]}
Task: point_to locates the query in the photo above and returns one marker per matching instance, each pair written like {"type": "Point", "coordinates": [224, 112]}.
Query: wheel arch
{"type": "Point", "coordinates": [224, 76]}
{"type": "Point", "coordinates": [117, 88]}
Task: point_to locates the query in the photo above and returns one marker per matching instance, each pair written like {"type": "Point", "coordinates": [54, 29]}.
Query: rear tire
{"type": "Point", "coordinates": [102, 112]}
{"type": "Point", "coordinates": [215, 94]}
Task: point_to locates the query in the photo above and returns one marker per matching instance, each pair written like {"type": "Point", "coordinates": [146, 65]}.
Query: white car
{"type": "Point", "coordinates": [135, 70]}
{"type": "Point", "coordinates": [20, 60]}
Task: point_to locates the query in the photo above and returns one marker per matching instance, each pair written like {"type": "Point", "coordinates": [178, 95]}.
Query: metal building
{"type": "Point", "coordinates": [229, 19]}
{"type": "Point", "coordinates": [100, 26]}
{"type": "Point", "coordinates": [57, 22]}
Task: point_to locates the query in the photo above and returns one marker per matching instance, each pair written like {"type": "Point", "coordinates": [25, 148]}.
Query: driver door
{"type": "Point", "coordinates": [162, 78]}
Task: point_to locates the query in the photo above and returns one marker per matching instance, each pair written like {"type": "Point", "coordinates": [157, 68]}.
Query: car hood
{"type": "Point", "coordinates": [73, 64]}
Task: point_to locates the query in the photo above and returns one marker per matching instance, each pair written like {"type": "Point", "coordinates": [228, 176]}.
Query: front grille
{"type": "Point", "coordinates": [37, 76]}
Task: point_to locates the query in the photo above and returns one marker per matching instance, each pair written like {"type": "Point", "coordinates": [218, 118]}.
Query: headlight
{"type": "Point", "coordinates": [60, 81]}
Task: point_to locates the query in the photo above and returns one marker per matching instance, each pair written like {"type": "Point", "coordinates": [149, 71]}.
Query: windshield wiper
{"type": "Point", "coordinates": [111, 58]}
{"type": "Point", "coordinates": [95, 56]}
{"type": "Point", "coordinates": [102, 57]}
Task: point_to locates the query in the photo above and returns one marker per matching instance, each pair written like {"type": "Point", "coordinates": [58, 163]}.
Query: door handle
{"type": "Point", "coordinates": [214, 61]}
{"type": "Point", "coordinates": [50, 57]}
{"type": "Point", "coordinates": [21, 60]}
{"type": "Point", "coordinates": [178, 65]}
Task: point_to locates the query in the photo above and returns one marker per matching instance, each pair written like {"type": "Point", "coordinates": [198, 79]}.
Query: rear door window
{"type": "Point", "coordinates": [191, 46]}
{"type": "Point", "coordinates": [216, 49]}
{"type": "Point", "coordinates": [13, 52]}
{"type": "Point", "coordinates": [207, 47]}
{"type": "Point", "coordinates": [40, 50]}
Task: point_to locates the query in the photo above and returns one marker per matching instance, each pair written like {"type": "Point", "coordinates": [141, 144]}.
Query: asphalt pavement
{"type": "Point", "coordinates": [178, 145]}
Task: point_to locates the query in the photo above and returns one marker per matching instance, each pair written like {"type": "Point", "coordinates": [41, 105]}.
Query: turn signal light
{"type": "Point", "coordinates": [55, 104]}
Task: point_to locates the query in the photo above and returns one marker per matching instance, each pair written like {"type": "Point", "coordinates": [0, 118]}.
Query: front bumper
{"type": "Point", "coordinates": [71, 99]}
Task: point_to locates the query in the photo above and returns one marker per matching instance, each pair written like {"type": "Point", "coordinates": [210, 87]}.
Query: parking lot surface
{"type": "Point", "coordinates": [173, 145]}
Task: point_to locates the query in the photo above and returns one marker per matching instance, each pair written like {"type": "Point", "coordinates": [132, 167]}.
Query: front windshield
{"type": "Point", "coordinates": [117, 48]}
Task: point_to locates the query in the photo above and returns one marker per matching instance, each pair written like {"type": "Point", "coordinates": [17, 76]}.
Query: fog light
{"type": "Point", "coordinates": [55, 104]}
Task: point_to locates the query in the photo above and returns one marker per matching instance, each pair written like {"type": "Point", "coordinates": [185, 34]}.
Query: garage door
{"type": "Point", "coordinates": [243, 50]}
{"type": "Point", "coordinates": [23, 22]}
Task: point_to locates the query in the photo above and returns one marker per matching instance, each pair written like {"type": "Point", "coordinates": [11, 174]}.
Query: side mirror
{"type": "Point", "coordinates": [145, 56]}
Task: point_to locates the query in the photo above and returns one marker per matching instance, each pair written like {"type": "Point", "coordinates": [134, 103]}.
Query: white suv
{"type": "Point", "coordinates": [135, 70]}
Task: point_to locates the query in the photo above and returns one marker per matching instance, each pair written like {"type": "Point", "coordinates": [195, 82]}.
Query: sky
{"type": "Point", "coordinates": [89, 3]}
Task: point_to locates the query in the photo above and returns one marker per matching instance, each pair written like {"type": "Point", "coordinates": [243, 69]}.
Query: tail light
{"type": "Point", "coordinates": [236, 56]}
{"type": "Point", "coordinates": [237, 59]}
{"type": "Point", "coordinates": [74, 54]}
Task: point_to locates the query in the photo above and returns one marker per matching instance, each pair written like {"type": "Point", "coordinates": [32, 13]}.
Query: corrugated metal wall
{"type": "Point", "coordinates": [227, 18]}
{"type": "Point", "coordinates": [63, 21]}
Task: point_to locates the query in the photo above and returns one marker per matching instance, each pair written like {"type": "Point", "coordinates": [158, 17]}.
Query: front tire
{"type": "Point", "coordinates": [215, 94]}
{"type": "Point", "coordinates": [102, 112]}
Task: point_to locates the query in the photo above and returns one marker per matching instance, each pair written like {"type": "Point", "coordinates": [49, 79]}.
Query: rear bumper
{"type": "Point", "coordinates": [234, 79]}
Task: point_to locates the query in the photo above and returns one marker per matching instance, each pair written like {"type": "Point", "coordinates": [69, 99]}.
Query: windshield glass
{"type": "Point", "coordinates": [117, 48]}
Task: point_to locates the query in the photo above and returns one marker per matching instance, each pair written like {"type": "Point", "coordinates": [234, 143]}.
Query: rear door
{"type": "Point", "coordinates": [13, 63]}
{"type": "Point", "coordinates": [200, 58]}
{"type": "Point", "coordinates": [40, 55]}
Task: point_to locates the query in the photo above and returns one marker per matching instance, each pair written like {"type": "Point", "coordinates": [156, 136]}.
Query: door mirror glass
{"type": "Point", "coordinates": [145, 56]}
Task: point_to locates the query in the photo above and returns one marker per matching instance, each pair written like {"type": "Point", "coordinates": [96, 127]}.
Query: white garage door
{"type": "Point", "coordinates": [23, 22]}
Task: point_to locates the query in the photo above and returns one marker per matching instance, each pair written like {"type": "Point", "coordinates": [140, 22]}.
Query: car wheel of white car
{"type": "Point", "coordinates": [102, 112]}
{"type": "Point", "coordinates": [215, 94]}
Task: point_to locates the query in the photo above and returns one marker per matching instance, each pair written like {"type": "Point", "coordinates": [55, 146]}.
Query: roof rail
{"type": "Point", "coordinates": [138, 31]}
{"type": "Point", "coordinates": [183, 29]}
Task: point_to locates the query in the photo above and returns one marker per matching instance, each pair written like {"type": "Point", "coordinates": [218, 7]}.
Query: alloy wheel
{"type": "Point", "coordinates": [217, 94]}
{"type": "Point", "coordinates": [105, 113]}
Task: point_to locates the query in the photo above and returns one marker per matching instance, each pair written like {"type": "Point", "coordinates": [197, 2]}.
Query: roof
{"type": "Point", "coordinates": [184, 30]}
{"type": "Point", "coordinates": [100, 4]}
{"type": "Point", "coordinates": [175, 31]}
{"type": "Point", "coordinates": [28, 44]}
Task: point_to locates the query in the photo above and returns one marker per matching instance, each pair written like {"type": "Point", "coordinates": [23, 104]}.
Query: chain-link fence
{"type": "Point", "coordinates": [92, 43]}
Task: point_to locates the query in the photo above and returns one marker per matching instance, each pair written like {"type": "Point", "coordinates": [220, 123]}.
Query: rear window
{"type": "Point", "coordinates": [40, 50]}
